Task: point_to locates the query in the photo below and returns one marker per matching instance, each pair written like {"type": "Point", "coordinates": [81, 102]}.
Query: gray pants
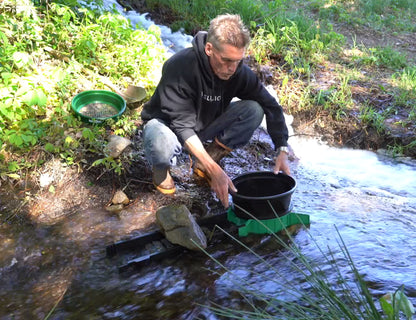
{"type": "Point", "coordinates": [233, 128]}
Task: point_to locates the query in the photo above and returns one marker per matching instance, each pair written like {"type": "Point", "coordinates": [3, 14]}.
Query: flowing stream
{"type": "Point", "coordinates": [371, 199]}
{"type": "Point", "coordinates": [368, 197]}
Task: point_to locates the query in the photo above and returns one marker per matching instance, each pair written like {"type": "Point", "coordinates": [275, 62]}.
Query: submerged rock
{"type": "Point", "coordinates": [180, 227]}
{"type": "Point", "coordinates": [115, 208]}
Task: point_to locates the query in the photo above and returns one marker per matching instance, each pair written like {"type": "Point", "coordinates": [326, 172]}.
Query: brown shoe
{"type": "Point", "coordinates": [217, 151]}
{"type": "Point", "coordinates": [163, 181]}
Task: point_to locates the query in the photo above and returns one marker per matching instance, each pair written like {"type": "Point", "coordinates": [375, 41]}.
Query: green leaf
{"type": "Point", "coordinates": [5, 111]}
{"type": "Point", "coordinates": [4, 38]}
{"type": "Point", "coordinates": [98, 162]}
{"type": "Point", "coordinates": [90, 44]}
{"type": "Point", "coordinates": [34, 140]}
{"type": "Point", "coordinates": [88, 134]}
{"type": "Point", "coordinates": [59, 74]}
{"type": "Point", "coordinates": [27, 138]}
{"type": "Point", "coordinates": [6, 77]}
{"type": "Point", "coordinates": [21, 59]}
{"type": "Point", "coordinates": [285, 81]}
{"type": "Point", "coordinates": [68, 140]}
{"type": "Point", "coordinates": [49, 147]}
{"type": "Point", "coordinates": [387, 308]}
{"type": "Point", "coordinates": [35, 97]}
{"type": "Point", "coordinates": [403, 304]}
{"type": "Point", "coordinates": [16, 139]}
{"type": "Point", "coordinates": [13, 166]}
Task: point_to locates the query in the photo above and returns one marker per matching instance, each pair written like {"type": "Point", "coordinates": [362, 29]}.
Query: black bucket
{"type": "Point", "coordinates": [258, 192]}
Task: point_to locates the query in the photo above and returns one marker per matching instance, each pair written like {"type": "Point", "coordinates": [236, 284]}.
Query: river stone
{"type": "Point", "coordinates": [180, 227]}
{"type": "Point", "coordinates": [120, 198]}
{"type": "Point", "coordinates": [116, 146]}
{"type": "Point", "coordinates": [115, 208]}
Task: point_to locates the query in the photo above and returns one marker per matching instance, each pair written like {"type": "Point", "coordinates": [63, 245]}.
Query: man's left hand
{"type": "Point", "coordinates": [282, 163]}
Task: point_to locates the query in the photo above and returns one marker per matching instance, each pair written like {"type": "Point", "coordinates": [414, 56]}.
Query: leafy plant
{"type": "Point", "coordinates": [46, 61]}
{"type": "Point", "coordinates": [385, 57]}
{"type": "Point", "coordinates": [372, 117]}
{"type": "Point", "coordinates": [394, 303]}
{"type": "Point", "coordinates": [337, 99]}
{"type": "Point", "coordinates": [110, 164]}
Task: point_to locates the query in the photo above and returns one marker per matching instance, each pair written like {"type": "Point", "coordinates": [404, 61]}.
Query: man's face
{"type": "Point", "coordinates": [224, 61]}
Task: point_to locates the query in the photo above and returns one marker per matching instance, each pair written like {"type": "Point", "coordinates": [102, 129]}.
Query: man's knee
{"type": "Point", "coordinates": [248, 115]}
{"type": "Point", "coordinates": [251, 113]}
{"type": "Point", "coordinates": [256, 111]}
{"type": "Point", "coordinates": [249, 110]}
{"type": "Point", "coordinates": [160, 143]}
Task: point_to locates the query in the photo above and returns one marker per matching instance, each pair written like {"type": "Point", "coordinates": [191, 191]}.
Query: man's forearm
{"type": "Point", "coordinates": [196, 148]}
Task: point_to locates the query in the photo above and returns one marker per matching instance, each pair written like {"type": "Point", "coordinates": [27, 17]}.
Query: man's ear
{"type": "Point", "coordinates": [208, 48]}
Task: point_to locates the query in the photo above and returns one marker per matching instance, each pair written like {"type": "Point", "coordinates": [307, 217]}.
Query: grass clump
{"type": "Point", "coordinates": [390, 15]}
{"type": "Point", "coordinates": [342, 295]}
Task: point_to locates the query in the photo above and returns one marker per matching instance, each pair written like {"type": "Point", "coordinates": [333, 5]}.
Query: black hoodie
{"type": "Point", "coordinates": [190, 96]}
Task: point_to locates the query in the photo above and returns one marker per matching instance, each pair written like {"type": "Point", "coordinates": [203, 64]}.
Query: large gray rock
{"type": "Point", "coordinates": [180, 227]}
{"type": "Point", "coordinates": [116, 146]}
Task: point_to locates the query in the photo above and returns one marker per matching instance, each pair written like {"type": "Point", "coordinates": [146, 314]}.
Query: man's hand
{"type": "Point", "coordinates": [219, 181]}
{"type": "Point", "coordinates": [282, 163]}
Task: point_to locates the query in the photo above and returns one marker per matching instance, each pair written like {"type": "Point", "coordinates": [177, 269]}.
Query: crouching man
{"type": "Point", "coordinates": [193, 104]}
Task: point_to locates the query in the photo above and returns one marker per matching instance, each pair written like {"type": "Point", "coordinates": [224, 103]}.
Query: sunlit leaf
{"type": "Point", "coordinates": [59, 74]}
{"type": "Point", "coordinates": [68, 140]}
{"type": "Point", "coordinates": [35, 97]}
{"type": "Point", "coordinates": [13, 175]}
{"type": "Point", "coordinates": [4, 39]}
{"type": "Point", "coordinates": [21, 59]}
{"type": "Point", "coordinates": [6, 76]}
{"type": "Point", "coordinates": [5, 111]}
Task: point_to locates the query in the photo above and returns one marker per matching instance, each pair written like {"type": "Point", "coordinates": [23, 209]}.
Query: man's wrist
{"type": "Point", "coordinates": [284, 149]}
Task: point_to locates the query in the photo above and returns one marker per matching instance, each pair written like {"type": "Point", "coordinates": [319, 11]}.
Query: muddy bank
{"type": "Point", "coordinates": [70, 191]}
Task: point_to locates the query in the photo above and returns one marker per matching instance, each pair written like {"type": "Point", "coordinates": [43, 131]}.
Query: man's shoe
{"type": "Point", "coordinates": [163, 181]}
{"type": "Point", "coordinates": [217, 151]}
{"type": "Point", "coordinates": [166, 191]}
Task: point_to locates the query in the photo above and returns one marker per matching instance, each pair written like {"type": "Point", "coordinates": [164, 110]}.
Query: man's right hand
{"type": "Point", "coordinates": [219, 181]}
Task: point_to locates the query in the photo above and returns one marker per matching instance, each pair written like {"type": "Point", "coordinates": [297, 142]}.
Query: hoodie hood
{"type": "Point", "coordinates": [198, 43]}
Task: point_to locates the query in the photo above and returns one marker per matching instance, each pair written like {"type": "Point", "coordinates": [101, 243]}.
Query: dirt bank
{"type": "Point", "coordinates": [70, 191]}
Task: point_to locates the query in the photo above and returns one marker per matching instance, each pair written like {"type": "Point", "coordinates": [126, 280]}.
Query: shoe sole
{"type": "Point", "coordinates": [165, 190]}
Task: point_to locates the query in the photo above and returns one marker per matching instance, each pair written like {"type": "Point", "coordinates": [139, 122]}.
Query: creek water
{"type": "Point", "coordinates": [369, 198]}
